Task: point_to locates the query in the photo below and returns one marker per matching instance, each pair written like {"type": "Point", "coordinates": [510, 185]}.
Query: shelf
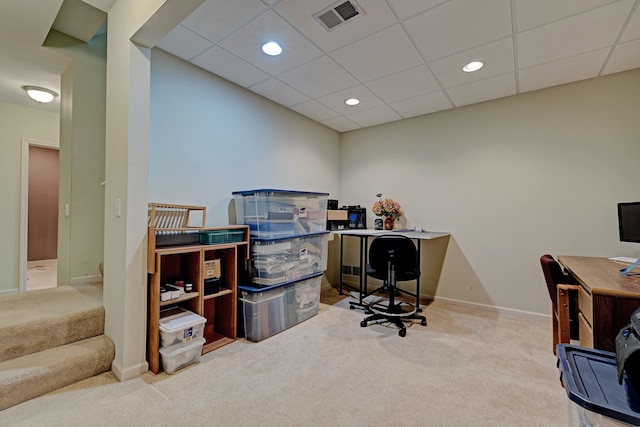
{"type": "Point", "coordinates": [181, 298]}
{"type": "Point", "coordinates": [217, 343]}
{"type": "Point", "coordinates": [168, 264]}
{"type": "Point", "coordinates": [218, 294]}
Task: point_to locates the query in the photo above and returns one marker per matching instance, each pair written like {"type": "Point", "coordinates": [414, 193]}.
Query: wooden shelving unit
{"type": "Point", "coordinates": [166, 264]}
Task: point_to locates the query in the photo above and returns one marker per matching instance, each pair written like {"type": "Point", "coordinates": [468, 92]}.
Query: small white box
{"type": "Point", "coordinates": [178, 356]}
{"type": "Point", "coordinates": [181, 327]}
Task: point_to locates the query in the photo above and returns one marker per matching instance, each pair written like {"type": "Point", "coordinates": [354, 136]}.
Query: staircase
{"type": "Point", "coordinates": [49, 339]}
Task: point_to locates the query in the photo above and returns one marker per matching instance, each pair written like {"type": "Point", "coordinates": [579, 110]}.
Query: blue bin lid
{"type": "Point", "coordinates": [257, 290]}
{"type": "Point", "coordinates": [274, 192]}
{"type": "Point", "coordinates": [590, 378]}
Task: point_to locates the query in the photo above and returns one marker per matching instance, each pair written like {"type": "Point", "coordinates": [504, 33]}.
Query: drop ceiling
{"type": "Point", "coordinates": [401, 58]}
{"type": "Point", "coordinates": [404, 58]}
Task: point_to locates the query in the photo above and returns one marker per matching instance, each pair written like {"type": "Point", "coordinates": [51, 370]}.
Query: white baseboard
{"type": "Point", "coordinates": [130, 372]}
{"type": "Point", "coordinates": [494, 309]}
{"type": "Point", "coordinates": [86, 280]}
{"type": "Point", "coordinates": [484, 307]}
{"type": "Point", "coordinates": [8, 292]}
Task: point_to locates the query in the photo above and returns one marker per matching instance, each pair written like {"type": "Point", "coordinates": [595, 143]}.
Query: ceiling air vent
{"type": "Point", "coordinates": [338, 14]}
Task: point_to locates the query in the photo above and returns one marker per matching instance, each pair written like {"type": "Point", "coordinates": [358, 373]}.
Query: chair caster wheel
{"type": "Point", "coordinates": [423, 323]}
{"type": "Point", "coordinates": [363, 323]}
{"type": "Point", "coordinates": [351, 307]}
{"type": "Point", "coordinates": [402, 332]}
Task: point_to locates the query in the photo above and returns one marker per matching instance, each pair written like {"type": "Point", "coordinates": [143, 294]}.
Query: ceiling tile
{"type": "Point", "coordinates": [579, 67]}
{"type": "Point", "coordinates": [218, 61]}
{"type": "Point", "coordinates": [530, 14]}
{"type": "Point", "coordinates": [404, 84]}
{"type": "Point", "coordinates": [183, 43]}
{"type": "Point", "coordinates": [423, 104]}
{"type": "Point", "coordinates": [318, 77]}
{"type": "Point", "coordinates": [374, 116]}
{"type": "Point", "coordinates": [335, 101]}
{"type": "Point", "coordinates": [408, 8]}
{"type": "Point", "coordinates": [341, 124]}
{"type": "Point", "coordinates": [483, 90]}
{"type": "Point", "coordinates": [578, 34]}
{"type": "Point", "coordinates": [279, 92]}
{"type": "Point", "coordinates": [300, 14]}
{"type": "Point", "coordinates": [625, 57]}
{"type": "Point", "coordinates": [437, 34]}
{"type": "Point", "coordinates": [378, 55]}
{"type": "Point", "coordinates": [632, 32]}
{"type": "Point", "coordinates": [214, 19]}
{"type": "Point", "coordinates": [497, 57]}
{"type": "Point", "coordinates": [315, 110]}
{"type": "Point", "coordinates": [246, 43]}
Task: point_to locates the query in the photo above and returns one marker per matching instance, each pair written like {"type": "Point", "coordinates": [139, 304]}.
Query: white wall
{"type": "Point", "coordinates": [17, 122]}
{"type": "Point", "coordinates": [210, 137]}
{"type": "Point", "coordinates": [510, 179]}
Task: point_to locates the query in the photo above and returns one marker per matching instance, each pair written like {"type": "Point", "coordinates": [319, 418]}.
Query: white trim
{"type": "Point", "coordinates": [129, 373]}
{"type": "Point", "coordinates": [495, 309]}
{"type": "Point", "coordinates": [86, 280]}
{"type": "Point", "coordinates": [24, 203]}
{"type": "Point", "coordinates": [478, 306]}
{"type": "Point", "coordinates": [8, 292]}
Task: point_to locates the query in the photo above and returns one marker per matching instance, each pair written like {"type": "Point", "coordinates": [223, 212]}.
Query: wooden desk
{"type": "Point", "coordinates": [605, 299]}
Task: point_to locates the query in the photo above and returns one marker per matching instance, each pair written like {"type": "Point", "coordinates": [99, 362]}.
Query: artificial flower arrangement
{"type": "Point", "coordinates": [387, 207]}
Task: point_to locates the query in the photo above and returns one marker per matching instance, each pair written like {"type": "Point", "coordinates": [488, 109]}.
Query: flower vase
{"type": "Point", "coordinates": [389, 223]}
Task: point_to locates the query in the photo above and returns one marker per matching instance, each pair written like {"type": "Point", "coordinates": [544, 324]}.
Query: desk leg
{"type": "Point", "coordinates": [362, 278]}
{"type": "Point", "coordinates": [341, 252]}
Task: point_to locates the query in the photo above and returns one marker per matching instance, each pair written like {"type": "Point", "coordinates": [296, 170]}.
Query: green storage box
{"type": "Point", "coordinates": [216, 237]}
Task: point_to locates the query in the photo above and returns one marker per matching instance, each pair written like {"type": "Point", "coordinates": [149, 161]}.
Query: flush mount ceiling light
{"type": "Point", "coordinates": [40, 94]}
{"type": "Point", "coordinates": [272, 48]}
{"type": "Point", "coordinates": [352, 101]}
{"type": "Point", "coordinates": [472, 66]}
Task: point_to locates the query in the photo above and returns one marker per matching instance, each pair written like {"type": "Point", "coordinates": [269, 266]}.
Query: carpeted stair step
{"type": "Point", "coordinates": [35, 374]}
{"type": "Point", "coordinates": [34, 321]}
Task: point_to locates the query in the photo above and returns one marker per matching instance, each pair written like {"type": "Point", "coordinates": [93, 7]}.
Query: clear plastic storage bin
{"type": "Point", "coordinates": [180, 327]}
{"type": "Point", "coordinates": [279, 261]}
{"type": "Point", "coordinates": [178, 356]}
{"type": "Point", "coordinates": [273, 213]}
{"type": "Point", "coordinates": [595, 398]}
{"type": "Point", "coordinates": [269, 311]}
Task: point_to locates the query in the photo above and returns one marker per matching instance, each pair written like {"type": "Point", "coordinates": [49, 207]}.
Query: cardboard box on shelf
{"type": "Point", "coordinates": [212, 268]}
{"type": "Point", "coordinates": [337, 215]}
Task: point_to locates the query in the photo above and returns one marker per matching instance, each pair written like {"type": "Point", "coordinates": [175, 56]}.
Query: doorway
{"type": "Point", "coordinates": [39, 215]}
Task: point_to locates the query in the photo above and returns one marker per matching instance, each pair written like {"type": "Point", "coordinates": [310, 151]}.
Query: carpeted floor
{"type": "Point", "coordinates": [466, 368]}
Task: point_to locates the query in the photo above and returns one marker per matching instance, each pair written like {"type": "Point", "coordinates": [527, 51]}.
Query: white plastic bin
{"type": "Point", "coordinates": [181, 327]}
{"type": "Point", "coordinates": [180, 355]}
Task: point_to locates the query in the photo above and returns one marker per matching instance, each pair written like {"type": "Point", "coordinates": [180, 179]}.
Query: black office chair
{"type": "Point", "coordinates": [393, 258]}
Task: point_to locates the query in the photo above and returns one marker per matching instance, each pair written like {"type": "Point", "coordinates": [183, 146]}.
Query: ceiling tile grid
{"type": "Point", "coordinates": [404, 58]}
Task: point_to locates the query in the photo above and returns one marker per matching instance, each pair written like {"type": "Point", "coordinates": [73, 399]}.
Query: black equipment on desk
{"type": "Point", "coordinates": [357, 216]}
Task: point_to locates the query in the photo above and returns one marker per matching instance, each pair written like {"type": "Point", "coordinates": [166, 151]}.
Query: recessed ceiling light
{"type": "Point", "coordinates": [272, 49]}
{"type": "Point", "coordinates": [352, 101]}
{"type": "Point", "coordinates": [40, 94]}
{"type": "Point", "coordinates": [472, 66]}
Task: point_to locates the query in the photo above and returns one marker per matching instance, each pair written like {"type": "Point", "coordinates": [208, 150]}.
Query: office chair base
{"type": "Point", "coordinates": [393, 315]}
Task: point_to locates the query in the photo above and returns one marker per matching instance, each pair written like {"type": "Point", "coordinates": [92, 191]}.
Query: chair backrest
{"type": "Point", "coordinates": [553, 275]}
{"type": "Point", "coordinates": [400, 250]}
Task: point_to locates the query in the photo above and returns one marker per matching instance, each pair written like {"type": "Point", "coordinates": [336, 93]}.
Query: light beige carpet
{"type": "Point", "coordinates": [37, 320]}
{"type": "Point", "coordinates": [466, 368]}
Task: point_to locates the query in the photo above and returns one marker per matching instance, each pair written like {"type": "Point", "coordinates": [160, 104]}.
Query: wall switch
{"type": "Point", "coordinates": [66, 209]}
{"type": "Point", "coordinates": [118, 208]}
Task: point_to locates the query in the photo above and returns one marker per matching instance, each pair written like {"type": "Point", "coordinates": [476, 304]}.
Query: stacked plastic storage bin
{"type": "Point", "coordinates": [181, 339]}
{"type": "Point", "coordinates": [289, 245]}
